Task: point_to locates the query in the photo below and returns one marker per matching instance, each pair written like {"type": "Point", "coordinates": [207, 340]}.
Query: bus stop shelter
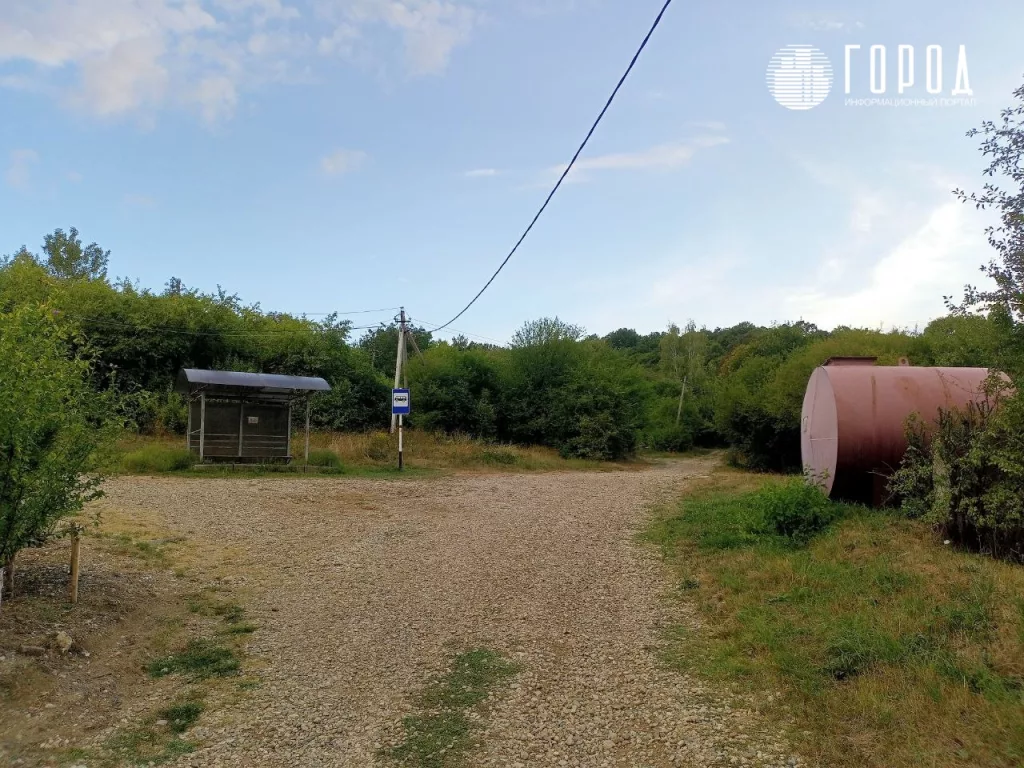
{"type": "Point", "coordinates": [244, 417]}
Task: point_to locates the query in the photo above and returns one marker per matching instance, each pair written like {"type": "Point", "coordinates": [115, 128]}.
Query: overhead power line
{"type": "Point", "coordinates": [434, 327]}
{"type": "Point", "coordinates": [569, 167]}
{"type": "Point", "coordinates": [354, 312]}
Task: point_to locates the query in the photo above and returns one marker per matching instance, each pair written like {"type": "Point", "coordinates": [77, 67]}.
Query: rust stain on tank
{"type": "Point", "coordinates": [854, 416]}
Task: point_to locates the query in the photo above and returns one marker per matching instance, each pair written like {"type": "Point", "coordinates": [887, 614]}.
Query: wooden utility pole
{"type": "Point", "coordinates": [399, 359]}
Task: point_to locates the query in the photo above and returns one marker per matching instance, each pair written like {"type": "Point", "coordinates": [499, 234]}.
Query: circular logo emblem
{"type": "Point", "coordinates": [799, 76]}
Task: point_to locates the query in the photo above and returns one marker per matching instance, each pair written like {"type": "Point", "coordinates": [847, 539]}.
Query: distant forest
{"type": "Point", "coordinates": [598, 397]}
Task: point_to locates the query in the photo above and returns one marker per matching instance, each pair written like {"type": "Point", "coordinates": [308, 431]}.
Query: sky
{"type": "Point", "coordinates": [342, 155]}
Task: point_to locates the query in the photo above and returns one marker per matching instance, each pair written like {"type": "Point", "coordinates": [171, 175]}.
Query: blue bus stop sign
{"type": "Point", "coordinates": [400, 402]}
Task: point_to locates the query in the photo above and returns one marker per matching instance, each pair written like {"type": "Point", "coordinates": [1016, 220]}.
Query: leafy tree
{"type": "Point", "coordinates": [683, 355]}
{"type": "Point", "coordinates": [381, 344]}
{"type": "Point", "coordinates": [1003, 143]}
{"type": "Point", "coordinates": [456, 388]}
{"type": "Point", "coordinates": [547, 330]}
{"type": "Point", "coordinates": [66, 258]}
{"type": "Point", "coordinates": [51, 425]}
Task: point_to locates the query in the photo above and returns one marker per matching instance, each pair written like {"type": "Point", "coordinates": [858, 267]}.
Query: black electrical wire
{"type": "Point", "coordinates": [569, 167]}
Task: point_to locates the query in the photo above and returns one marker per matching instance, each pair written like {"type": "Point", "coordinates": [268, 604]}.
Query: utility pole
{"type": "Point", "coordinates": [399, 359]}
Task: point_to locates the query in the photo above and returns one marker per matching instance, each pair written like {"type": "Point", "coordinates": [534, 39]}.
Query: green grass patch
{"type": "Point", "coordinates": [156, 458]}
{"type": "Point", "coordinates": [781, 514]}
{"type": "Point", "coordinates": [499, 456]}
{"type": "Point", "coordinates": [889, 648]}
{"type": "Point", "coordinates": [200, 659]}
{"type": "Point", "coordinates": [441, 733]}
{"type": "Point", "coordinates": [182, 716]}
{"type": "Point", "coordinates": [143, 746]}
{"type": "Point", "coordinates": [325, 458]}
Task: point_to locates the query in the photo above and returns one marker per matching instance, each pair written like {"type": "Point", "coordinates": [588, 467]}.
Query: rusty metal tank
{"type": "Point", "coordinates": [852, 427]}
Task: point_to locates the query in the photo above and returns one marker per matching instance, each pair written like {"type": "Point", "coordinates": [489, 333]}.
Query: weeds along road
{"type": "Point", "coordinates": [364, 588]}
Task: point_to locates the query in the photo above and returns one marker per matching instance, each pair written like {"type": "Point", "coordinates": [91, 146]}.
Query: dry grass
{"type": "Point", "coordinates": [369, 452]}
{"type": "Point", "coordinates": [438, 451]}
{"type": "Point", "coordinates": [890, 648]}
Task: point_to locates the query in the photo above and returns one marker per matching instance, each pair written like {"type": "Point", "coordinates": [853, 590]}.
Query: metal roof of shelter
{"type": "Point", "coordinates": [191, 379]}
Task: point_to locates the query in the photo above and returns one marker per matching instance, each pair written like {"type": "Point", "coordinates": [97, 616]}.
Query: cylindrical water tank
{"type": "Point", "coordinates": [852, 427]}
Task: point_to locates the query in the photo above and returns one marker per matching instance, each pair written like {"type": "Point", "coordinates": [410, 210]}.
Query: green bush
{"type": "Point", "coordinates": [157, 458]}
{"type": "Point", "coordinates": [969, 481]}
{"type": "Point", "coordinates": [324, 458]}
{"type": "Point", "coordinates": [172, 414]}
{"type": "Point", "coordinates": [52, 428]}
{"type": "Point", "coordinates": [796, 509]}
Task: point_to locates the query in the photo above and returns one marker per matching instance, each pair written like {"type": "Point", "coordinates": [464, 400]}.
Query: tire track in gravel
{"type": "Point", "coordinates": [361, 587]}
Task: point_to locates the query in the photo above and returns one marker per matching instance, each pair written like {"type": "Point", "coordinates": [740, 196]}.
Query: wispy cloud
{"type": "Point", "coordinates": [708, 125]}
{"type": "Point", "coordinates": [660, 157]}
{"type": "Point", "coordinates": [817, 24]}
{"type": "Point", "coordinates": [481, 173]}
{"type": "Point", "coordinates": [144, 56]}
{"type": "Point", "coordinates": [906, 285]}
{"type": "Point", "coordinates": [19, 170]}
{"type": "Point", "coordinates": [430, 29]}
{"type": "Point", "coordinates": [342, 161]}
{"type": "Point", "coordinates": [907, 244]}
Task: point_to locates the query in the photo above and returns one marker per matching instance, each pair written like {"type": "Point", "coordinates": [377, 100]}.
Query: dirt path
{"type": "Point", "coordinates": [361, 587]}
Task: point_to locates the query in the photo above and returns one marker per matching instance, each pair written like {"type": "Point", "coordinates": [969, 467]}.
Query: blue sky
{"type": "Point", "coordinates": [318, 155]}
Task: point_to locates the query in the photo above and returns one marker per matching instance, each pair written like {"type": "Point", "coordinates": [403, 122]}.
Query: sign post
{"type": "Point", "coordinates": [401, 405]}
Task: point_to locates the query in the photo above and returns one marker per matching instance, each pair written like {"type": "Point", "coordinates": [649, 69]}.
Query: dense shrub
{"type": "Point", "coordinates": [969, 481]}
{"type": "Point", "coordinates": [52, 427]}
{"type": "Point", "coordinates": [796, 509]}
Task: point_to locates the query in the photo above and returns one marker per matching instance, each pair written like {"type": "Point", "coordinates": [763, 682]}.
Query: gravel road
{"type": "Point", "coordinates": [363, 588]}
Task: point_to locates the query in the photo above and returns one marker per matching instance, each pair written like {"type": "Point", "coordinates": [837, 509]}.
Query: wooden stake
{"type": "Point", "coordinates": [76, 543]}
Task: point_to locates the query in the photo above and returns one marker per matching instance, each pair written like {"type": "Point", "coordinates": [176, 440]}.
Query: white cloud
{"type": "Point", "coordinates": [905, 285]}
{"type": "Point", "coordinates": [19, 171]}
{"type": "Point", "coordinates": [708, 125]}
{"type": "Point", "coordinates": [143, 56]}
{"type": "Point", "coordinates": [481, 173]}
{"type": "Point", "coordinates": [661, 157]}
{"type": "Point", "coordinates": [342, 161]}
{"type": "Point", "coordinates": [262, 10]}
{"type": "Point", "coordinates": [75, 177]}
{"type": "Point", "coordinates": [217, 97]}
{"type": "Point", "coordinates": [127, 77]}
{"type": "Point", "coordinates": [867, 208]}
{"type": "Point", "coordinates": [430, 29]}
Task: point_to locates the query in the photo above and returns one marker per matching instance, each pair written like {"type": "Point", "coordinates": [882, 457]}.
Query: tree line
{"type": "Point", "coordinates": [603, 397]}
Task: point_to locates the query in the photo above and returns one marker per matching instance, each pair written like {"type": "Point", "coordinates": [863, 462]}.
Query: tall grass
{"type": "Point", "coordinates": [156, 458]}
{"type": "Point", "coordinates": [890, 648]}
{"type": "Point", "coordinates": [335, 453]}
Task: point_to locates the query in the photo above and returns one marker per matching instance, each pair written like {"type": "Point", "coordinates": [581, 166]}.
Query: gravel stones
{"type": "Point", "coordinates": [363, 588]}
